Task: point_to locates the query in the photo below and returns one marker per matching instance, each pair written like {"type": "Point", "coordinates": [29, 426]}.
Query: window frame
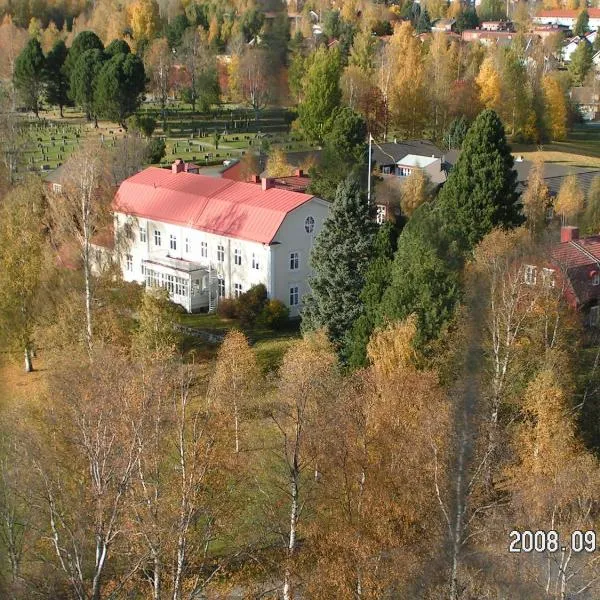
{"type": "Point", "coordinates": [237, 257]}
{"type": "Point", "coordinates": [237, 290]}
{"type": "Point", "coordinates": [530, 275]}
{"type": "Point", "coordinates": [172, 241]}
{"type": "Point", "coordinates": [294, 295]}
{"type": "Point", "coordinates": [221, 253]}
{"type": "Point", "coordinates": [143, 235]}
{"type": "Point", "coordinates": [157, 238]}
{"type": "Point", "coordinates": [309, 224]}
{"type": "Point", "coordinates": [204, 249]}
{"type": "Point", "coordinates": [294, 260]}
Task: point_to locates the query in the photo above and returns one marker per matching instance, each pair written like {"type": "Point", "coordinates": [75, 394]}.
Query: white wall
{"type": "Point", "coordinates": [292, 237]}
{"type": "Point", "coordinates": [273, 261]}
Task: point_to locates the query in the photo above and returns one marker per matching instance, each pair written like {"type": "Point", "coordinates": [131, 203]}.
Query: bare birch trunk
{"type": "Point", "coordinates": [28, 360]}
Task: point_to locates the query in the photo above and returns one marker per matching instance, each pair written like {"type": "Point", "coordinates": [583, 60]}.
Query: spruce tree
{"type": "Point", "coordinates": [82, 88]}
{"type": "Point", "coordinates": [582, 23]}
{"type": "Point", "coordinates": [340, 258]}
{"type": "Point", "coordinates": [424, 22]}
{"type": "Point", "coordinates": [480, 192]}
{"type": "Point", "coordinates": [377, 280]}
{"type": "Point", "coordinates": [425, 276]}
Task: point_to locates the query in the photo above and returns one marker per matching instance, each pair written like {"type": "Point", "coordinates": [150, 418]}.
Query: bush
{"type": "Point", "coordinates": [274, 314]}
{"type": "Point", "coordinates": [156, 150]}
{"type": "Point", "coordinates": [251, 304]}
{"type": "Point", "coordinates": [227, 308]}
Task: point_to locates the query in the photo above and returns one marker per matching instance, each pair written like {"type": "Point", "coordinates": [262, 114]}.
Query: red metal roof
{"type": "Point", "coordinates": [220, 206]}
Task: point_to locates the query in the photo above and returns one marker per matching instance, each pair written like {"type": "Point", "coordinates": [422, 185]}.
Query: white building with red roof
{"type": "Point", "coordinates": [205, 238]}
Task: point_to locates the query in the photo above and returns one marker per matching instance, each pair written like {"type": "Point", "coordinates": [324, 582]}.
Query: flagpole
{"type": "Point", "coordinates": [369, 171]}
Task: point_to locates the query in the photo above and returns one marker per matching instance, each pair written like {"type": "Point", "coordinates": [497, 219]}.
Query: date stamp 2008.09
{"type": "Point", "coordinates": [551, 541]}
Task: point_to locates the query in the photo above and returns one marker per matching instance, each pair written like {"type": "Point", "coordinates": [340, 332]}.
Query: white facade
{"type": "Point", "coordinates": [192, 264]}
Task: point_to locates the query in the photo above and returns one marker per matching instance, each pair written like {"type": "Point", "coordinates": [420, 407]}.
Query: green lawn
{"type": "Point", "coordinates": [270, 345]}
{"type": "Point", "coordinates": [584, 140]}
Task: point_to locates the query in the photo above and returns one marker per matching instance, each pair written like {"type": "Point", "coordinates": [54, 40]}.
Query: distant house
{"type": "Point", "coordinates": [566, 18]}
{"type": "Point", "coordinates": [497, 26]}
{"type": "Point", "coordinates": [489, 38]}
{"type": "Point", "coordinates": [401, 158]}
{"type": "Point", "coordinates": [205, 238]}
{"type": "Point", "coordinates": [578, 262]}
{"type": "Point", "coordinates": [554, 175]}
{"type": "Point", "coordinates": [587, 100]}
{"type": "Point", "coordinates": [444, 25]}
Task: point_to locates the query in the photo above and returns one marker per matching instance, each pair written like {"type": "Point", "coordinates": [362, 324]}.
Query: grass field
{"type": "Point", "coordinates": [581, 148]}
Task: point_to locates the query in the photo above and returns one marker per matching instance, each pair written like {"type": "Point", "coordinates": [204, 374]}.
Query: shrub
{"type": "Point", "coordinates": [227, 308]}
{"type": "Point", "coordinates": [156, 150]}
{"type": "Point", "coordinates": [250, 304]}
{"type": "Point", "coordinates": [274, 314]}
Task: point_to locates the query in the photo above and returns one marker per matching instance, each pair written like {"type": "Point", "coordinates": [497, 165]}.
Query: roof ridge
{"type": "Point", "coordinates": [585, 252]}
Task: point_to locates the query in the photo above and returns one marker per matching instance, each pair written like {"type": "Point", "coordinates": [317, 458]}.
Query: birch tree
{"type": "Point", "coordinates": [22, 245]}
{"type": "Point", "coordinates": [85, 468]}
{"type": "Point", "coordinates": [79, 211]}
{"type": "Point", "coordinates": [235, 381]}
{"type": "Point", "coordinates": [308, 381]}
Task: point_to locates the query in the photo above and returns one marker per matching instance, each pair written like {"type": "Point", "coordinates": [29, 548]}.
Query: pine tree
{"type": "Point", "coordinates": [582, 23]}
{"type": "Point", "coordinates": [83, 78]}
{"type": "Point", "coordinates": [424, 22]}
{"type": "Point", "coordinates": [57, 84]}
{"type": "Point", "coordinates": [340, 258]}
{"type": "Point", "coordinates": [86, 40]}
{"type": "Point", "coordinates": [480, 192]}
{"type": "Point", "coordinates": [29, 75]}
{"type": "Point", "coordinates": [322, 93]}
{"type": "Point", "coordinates": [120, 84]}
{"type": "Point", "coordinates": [581, 62]}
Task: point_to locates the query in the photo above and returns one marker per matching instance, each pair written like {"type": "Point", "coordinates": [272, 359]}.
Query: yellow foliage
{"type": "Point", "coordinates": [391, 348]}
{"type": "Point", "coordinates": [144, 19]}
{"type": "Point", "coordinates": [490, 84]}
{"type": "Point", "coordinates": [557, 107]}
{"type": "Point", "coordinates": [277, 165]}
{"type": "Point", "coordinates": [570, 200]}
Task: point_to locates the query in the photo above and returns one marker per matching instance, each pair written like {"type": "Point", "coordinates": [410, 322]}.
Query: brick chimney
{"type": "Point", "coordinates": [267, 182]}
{"type": "Point", "coordinates": [299, 173]}
{"type": "Point", "coordinates": [254, 179]}
{"type": "Point", "coordinates": [178, 166]}
{"type": "Point", "coordinates": [568, 233]}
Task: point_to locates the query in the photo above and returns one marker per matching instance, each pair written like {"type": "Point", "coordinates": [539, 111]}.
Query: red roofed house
{"type": "Point", "coordinates": [205, 238]}
{"type": "Point", "coordinates": [566, 18]}
{"type": "Point", "coordinates": [578, 262]}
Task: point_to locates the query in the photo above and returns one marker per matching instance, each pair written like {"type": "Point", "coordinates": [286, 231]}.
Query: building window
{"type": "Point", "coordinates": [530, 274]}
{"type": "Point", "coordinates": [220, 253]}
{"type": "Point", "coordinates": [387, 170]}
{"type": "Point", "coordinates": [221, 287]}
{"type": "Point", "coordinates": [381, 213]}
{"type": "Point", "coordinates": [143, 235]}
{"type": "Point", "coordinates": [596, 278]}
{"type": "Point", "coordinates": [294, 261]}
{"type": "Point", "coordinates": [129, 262]}
{"type": "Point", "coordinates": [255, 263]}
{"type": "Point", "coordinates": [309, 224]}
{"type": "Point", "coordinates": [173, 242]}
{"type": "Point", "coordinates": [548, 277]}
{"type": "Point", "coordinates": [593, 316]}
{"type": "Point", "coordinates": [237, 256]}
{"type": "Point", "coordinates": [157, 240]}
{"type": "Point", "coordinates": [204, 249]}
{"type": "Point", "coordinates": [294, 296]}
{"type": "Point", "coordinates": [237, 290]}
{"type": "Point", "coordinates": [404, 171]}
{"type": "Point", "coordinates": [188, 246]}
